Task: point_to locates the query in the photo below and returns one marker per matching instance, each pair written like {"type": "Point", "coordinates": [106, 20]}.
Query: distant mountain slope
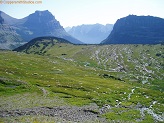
{"type": "Point", "coordinates": [38, 45]}
{"type": "Point", "coordinates": [40, 23]}
{"type": "Point", "coordinates": [137, 30]}
{"type": "Point", "coordinates": [9, 38]}
{"type": "Point", "coordinates": [91, 33]}
{"type": "Point", "coordinates": [67, 28]}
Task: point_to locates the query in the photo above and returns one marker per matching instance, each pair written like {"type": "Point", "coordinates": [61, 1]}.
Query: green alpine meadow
{"type": "Point", "coordinates": [51, 80]}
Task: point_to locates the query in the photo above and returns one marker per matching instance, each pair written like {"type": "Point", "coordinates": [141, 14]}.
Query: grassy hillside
{"type": "Point", "coordinates": [125, 81]}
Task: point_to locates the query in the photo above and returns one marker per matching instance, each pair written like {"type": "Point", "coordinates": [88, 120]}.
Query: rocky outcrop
{"type": "Point", "coordinates": [137, 30]}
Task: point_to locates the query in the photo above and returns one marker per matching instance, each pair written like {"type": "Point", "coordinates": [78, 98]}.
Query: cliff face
{"type": "Point", "coordinates": [137, 30]}
{"type": "Point", "coordinates": [15, 32]}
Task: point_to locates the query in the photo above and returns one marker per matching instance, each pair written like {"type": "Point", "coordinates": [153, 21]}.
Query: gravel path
{"type": "Point", "coordinates": [75, 114]}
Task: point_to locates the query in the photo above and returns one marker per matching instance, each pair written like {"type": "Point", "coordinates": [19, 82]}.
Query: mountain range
{"type": "Point", "coordinates": [90, 33]}
{"type": "Point", "coordinates": [127, 30]}
{"type": "Point", "coordinates": [15, 32]}
{"type": "Point", "coordinates": [137, 30]}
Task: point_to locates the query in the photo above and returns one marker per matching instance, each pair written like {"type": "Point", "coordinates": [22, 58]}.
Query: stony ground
{"type": "Point", "coordinates": [67, 113]}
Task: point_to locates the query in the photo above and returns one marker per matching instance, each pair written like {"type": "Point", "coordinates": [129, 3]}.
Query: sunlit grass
{"type": "Point", "coordinates": [67, 74]}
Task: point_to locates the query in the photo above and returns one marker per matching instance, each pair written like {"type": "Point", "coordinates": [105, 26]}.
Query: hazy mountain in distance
{"type": "Point", "coordinates": [67, 29]}
{"type": "Point", "coordinates": [10, 20]}
{"type": "Point", "coordinates": [15, 32]}
{"type": "Point", "coordinates": [137, 30]}
{"type": "Point", "coordinates": [90, 33]}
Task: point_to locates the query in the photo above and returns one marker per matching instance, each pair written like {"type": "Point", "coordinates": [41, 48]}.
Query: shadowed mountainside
{"type": "Point", "coordinates": [137, 30]}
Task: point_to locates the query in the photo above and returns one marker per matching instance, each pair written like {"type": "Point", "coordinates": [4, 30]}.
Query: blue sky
{"type": "Point", "coordinates": [77, 12]}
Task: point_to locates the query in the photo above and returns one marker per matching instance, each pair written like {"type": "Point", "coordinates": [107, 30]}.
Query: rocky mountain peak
{"type": "Point", "coordinates": [40, 17]}
{"type": "Point", "coordinates": [41, 22]}
{"type": "Point", "coordinates": [43, 14]}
